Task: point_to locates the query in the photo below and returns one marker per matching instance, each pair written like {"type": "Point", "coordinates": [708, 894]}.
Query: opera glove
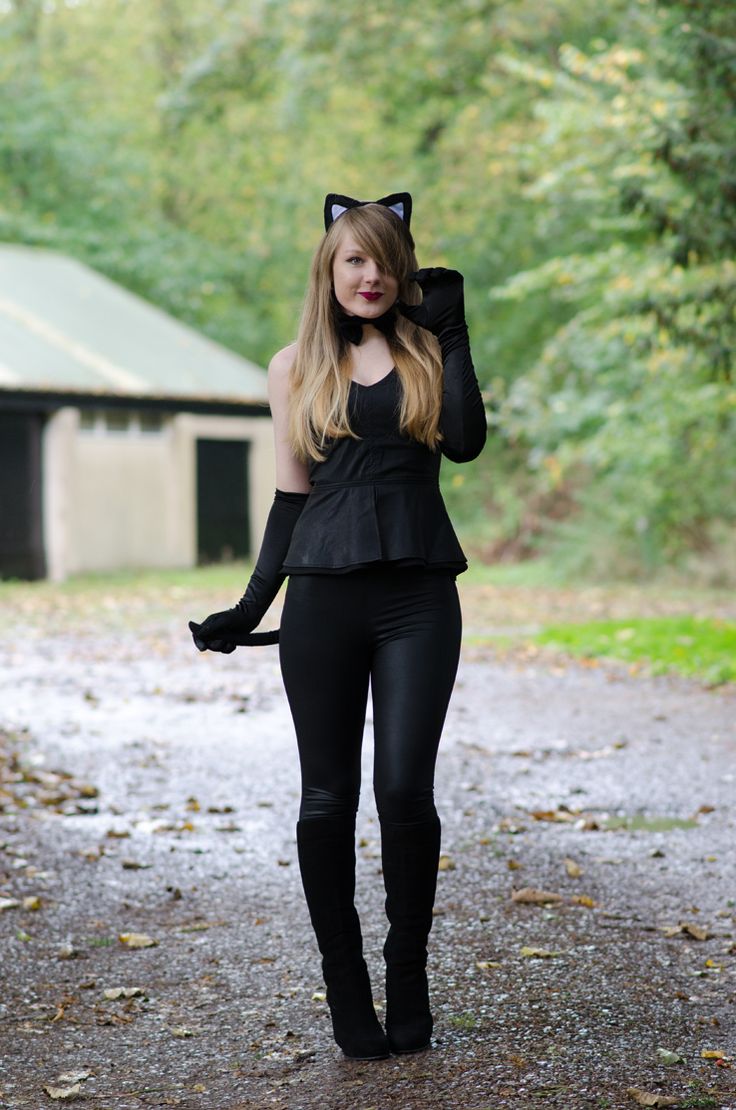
{"type": "Point", "coordinates": [232, 628]}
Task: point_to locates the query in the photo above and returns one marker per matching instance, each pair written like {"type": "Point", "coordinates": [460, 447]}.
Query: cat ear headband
{"type": "Point", "coordinates": [335, 205]}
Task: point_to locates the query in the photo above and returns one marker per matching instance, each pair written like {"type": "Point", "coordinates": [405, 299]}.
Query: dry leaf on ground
{"type": "Point", "coordinates": [538, 953]}
{"type": "Point", "coordinates": [584, 900]}
{"type": "Point", "coordinates": [535, 897]}
{"type": "Point", "coordinates": [667, 1057]}
{"type": "Point", "coordinates": [137, 940]}
{"type": "Point", "coordinates": [574, 870]}
{"type": "Point", "coordinates": [687, 927]}
{"type": "Point", "coordinates": [63, 1092]}
{"type": "Point", "coordinates": [647, 1098]}
{"type": "Point", "coordinates": [113, 993]}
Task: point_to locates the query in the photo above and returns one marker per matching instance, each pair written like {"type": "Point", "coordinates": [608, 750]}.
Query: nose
{"type": "Point", "coordinates": [371, 273]}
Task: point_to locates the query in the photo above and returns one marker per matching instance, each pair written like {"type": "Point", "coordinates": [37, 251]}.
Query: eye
{"type": "Point", "coordinates": [355, 258]}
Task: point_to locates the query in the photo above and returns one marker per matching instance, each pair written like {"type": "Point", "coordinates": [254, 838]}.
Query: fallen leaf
{"type": "Point", "coordinates": [513, 865]}
{"type": "Point", "coordinates": [487, 965]}
{"type": "Point", "coordinates": [63, 1092]}
{"type": "Point", "coordinates": [695, 931]}
{"type": "Point", "coordinates": [113, 993]}
{"type": "Point", "coordinates": [319, 996]}
{"type": "Point", "coordinates": [74, 1077]}
{"type": "Point", "coordinates": [531, 895]}
{"type": "Point", "coordinates": [68, 952]}
{"type": "Point", "coordinates": [117, 834]}
{"type": "Point", "coordinates": [574, 870]}
{"type": "Point", "coordinates": [137, 940]}
{"type": "Point", "coordinates": [32, 902]}
{"type": "Point", "coordinates": [713, 1054]}
{"type": "Point", "coordinates": [668, 1058]}
{"type": "Point", "coordinates": [181, 1031]}
{"type": "Point", "coordinates": [508, 825]}
{"type": "Point", "coordinates": [646, 1098]}
{"type": "Point", "coordinates": [584, 900]}
{"type": "Point", "coordinates": [537, 953]}
{"type": "Point", "coordinates": [8, 904]}
{"type": "Point", "coordinates": [560, 814]}
{"type": "Point", "coordinates": [445, 864]}
{"type": "Point", "coordinates": [134, 865]}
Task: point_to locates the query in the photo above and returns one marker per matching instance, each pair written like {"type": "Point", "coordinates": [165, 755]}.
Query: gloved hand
{"type": "Point", "coordinates": [443, 306]}
{"type": "Point", "coordinates": [442, 311]}
{"type": "Point", "coordinates": [231, 628]}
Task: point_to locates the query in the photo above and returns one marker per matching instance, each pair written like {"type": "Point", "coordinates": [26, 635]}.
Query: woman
{"type": "Point", "coordinates": [376, 388]}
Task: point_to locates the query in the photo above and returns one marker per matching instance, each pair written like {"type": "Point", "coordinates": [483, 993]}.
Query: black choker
{"type": "Point", "coordinates": [351, 327]}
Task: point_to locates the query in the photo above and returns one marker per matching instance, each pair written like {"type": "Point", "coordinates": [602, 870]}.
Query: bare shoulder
{"type": "Point", "coordinates": [281, 364]}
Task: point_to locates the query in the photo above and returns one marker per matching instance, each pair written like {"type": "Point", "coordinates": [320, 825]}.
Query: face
{"type": "Point", "coordinates": [360, 286]}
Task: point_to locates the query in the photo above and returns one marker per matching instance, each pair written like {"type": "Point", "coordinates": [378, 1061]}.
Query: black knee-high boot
{"type": "Point", "coordinates": [410, 856]}
{"type": "Point", "coordinates": [326, 848]}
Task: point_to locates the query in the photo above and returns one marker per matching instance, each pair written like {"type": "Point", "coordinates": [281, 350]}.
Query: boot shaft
{"type": "Point", "coordinates": [410, 855]}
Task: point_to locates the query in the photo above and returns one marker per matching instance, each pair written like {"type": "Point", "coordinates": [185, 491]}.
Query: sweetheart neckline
{"type": "Point", "coordinates": [373, 384]}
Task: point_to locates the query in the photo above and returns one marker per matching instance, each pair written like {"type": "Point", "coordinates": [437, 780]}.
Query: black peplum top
{"type": "Point", "coordinates": [376, 498]}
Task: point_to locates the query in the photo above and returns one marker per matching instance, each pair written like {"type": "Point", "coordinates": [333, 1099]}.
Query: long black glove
{"type": "Point", "coordinates": [234, 627]}
{"type": "Point", "coordinates": [442, 311]}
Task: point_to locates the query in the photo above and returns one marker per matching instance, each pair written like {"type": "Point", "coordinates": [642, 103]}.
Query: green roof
{"type": "Point", "coordinates": [66, 328]}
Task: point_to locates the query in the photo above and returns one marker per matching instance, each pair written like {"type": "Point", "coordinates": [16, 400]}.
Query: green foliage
{"type": "Point", "coordinates": [698, 647]}
{"type": "Point", "coordinates": [630, 407]}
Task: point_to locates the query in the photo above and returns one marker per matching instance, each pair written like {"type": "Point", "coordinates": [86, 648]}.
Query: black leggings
{"type": "Point", "coordinates": [398, 627]}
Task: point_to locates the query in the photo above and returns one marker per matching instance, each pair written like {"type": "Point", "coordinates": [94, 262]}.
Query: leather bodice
{"type": "Point", "coordinates": [376, 498]}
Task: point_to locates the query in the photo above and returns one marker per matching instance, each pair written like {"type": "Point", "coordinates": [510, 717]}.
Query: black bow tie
{"type": "Point", "coordinates": [351, 327]}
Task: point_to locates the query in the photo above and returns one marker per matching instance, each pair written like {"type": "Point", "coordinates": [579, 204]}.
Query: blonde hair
{"type": "Point", "coordinates": [320, 376]}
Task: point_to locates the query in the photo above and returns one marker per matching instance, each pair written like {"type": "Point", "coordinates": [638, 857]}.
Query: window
{"type": "Point", "coordinates": [117, 420]}
{"type": "Point", "coordinates": [127, 422]}
{"type": "Point", "coordinates": [150, 421]}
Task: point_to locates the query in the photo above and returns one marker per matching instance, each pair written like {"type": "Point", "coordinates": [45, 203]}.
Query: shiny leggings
{"type": "Point", "coordinates": [397, 627]}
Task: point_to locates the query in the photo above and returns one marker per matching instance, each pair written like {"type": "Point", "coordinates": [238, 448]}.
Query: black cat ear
{"type": "Point", "coordinates": [400, 203]}
{"type": "Point", "coordinates": [336, 204]}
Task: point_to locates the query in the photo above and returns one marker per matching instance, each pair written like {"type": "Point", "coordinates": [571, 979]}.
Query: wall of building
{"type": "Point", "coordinates": [127, 499]}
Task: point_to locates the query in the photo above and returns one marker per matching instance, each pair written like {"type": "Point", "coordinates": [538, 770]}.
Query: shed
{"type": "Point", "coordinates": [127, 439]}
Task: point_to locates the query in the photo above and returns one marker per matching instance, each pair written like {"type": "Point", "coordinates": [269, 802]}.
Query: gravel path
{"type": "Point", "coordinates": [613, 793]}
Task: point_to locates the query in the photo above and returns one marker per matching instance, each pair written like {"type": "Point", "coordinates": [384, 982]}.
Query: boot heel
{"type": "Point", "coordinates": [355, 1026]}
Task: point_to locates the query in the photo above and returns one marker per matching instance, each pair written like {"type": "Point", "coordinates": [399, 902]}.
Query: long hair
{"type": "Point", "coordinates": [320, 375]}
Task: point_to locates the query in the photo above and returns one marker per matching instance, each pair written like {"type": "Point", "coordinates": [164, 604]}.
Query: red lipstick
{"type": "Point", "coordinates": [371, 296]}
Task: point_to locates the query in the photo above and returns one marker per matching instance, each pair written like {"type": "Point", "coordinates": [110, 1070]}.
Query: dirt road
{"type": "Point", "coordinates": [614, 795]}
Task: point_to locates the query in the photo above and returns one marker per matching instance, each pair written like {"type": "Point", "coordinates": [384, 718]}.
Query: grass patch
{"type": "Point", "coordinates": [213, 577]}
{"type": "Point", "coordinates": [639, 823]}
{"type": "Point", "coordinates": [699, 647]}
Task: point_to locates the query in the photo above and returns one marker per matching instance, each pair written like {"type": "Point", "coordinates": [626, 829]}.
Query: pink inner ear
{"type": "Point", "coordinates": [337, 210]}
{"type": "Point", "coordinates": [398, 209]}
